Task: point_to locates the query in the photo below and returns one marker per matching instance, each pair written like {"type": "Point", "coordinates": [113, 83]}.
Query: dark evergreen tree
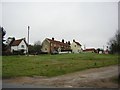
{"type": "Point", "coordinates": [3, 34]}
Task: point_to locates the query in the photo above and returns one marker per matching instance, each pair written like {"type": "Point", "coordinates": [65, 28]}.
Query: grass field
{"type": "Point", "coordinates": [53, 65]}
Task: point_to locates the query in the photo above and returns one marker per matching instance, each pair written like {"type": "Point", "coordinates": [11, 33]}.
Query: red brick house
{"type": "Point", "coordinates": [51, 45]}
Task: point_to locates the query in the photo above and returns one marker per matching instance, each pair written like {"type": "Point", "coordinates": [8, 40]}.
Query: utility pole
{"type": "Point", "coordinates": [103, 47]}
{"type": "Point", "coordinates": [28, 40]}
{"type": "Point", "coordinates": [84, 47]}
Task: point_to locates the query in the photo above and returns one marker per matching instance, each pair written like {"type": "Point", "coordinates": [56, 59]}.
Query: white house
{"type": "Point", "coordinates": [76, 47]}
{"type": "Point", "coordinates": [19, 45]}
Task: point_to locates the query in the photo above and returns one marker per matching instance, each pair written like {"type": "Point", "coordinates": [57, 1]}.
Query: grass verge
{"type": "Point", "coordinates": [53, 65]}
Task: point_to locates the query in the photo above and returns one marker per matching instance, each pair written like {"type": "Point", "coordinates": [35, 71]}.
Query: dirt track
{"type": "Point", "coordinates": [97, 77]}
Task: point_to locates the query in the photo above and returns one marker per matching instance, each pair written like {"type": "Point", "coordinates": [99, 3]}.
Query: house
{"type": "Point", "coordinates": [10, 40]}
{"type": "Point", "coordinates": [76, 47]}
{"type": "Point", "coordinates": [19, 45]}
{"type": "Point", "coordinates": [90, 50]}
{"type": "Point", "coordinates": [52, 46]}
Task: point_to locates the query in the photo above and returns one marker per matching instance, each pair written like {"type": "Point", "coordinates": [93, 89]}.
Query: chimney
{"type": "Point", "coordinates": [69, 42]}
{"type": "Point", "coordinates": [62, 40]}
{"type": "Point", "coordinates": [52, 38]}
{"type": "Point", "coordinates": [73, 40]}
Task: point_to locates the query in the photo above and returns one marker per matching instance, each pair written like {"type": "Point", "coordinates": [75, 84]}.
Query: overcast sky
{"type": "Point", "coordinates": [90, 23]}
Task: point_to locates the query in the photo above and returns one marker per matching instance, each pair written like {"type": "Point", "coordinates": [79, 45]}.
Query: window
{"type": "Point", "coordinates": [22, 46]}
{"type": "Point", "coordinates": [54, 45]}
{"type": "Point", "coordinates": [51, 44]}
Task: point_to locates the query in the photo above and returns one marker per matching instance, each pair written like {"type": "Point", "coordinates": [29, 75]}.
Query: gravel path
{"type": "Point", "coordinates": [96, 77]}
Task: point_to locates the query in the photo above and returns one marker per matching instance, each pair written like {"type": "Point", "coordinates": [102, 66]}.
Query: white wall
{"type": "Point", "coordinates": [14, 48]}
{"type": "Point", "coordinates": [20, 46]}
{"type": "Point", "coordinates": [45, 45]}
{"type": "Point", "coordinates": [22, 43]}
{"type": "Point", "coordinates": [76, 49]}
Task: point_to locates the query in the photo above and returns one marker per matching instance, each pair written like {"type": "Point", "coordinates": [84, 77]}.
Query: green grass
{"type": "Point", "coordinates": [53, 65]}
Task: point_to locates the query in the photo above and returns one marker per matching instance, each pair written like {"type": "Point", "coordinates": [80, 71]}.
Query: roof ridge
{"type": "Point", "coordinates": [57, 41]}
{"type": "Point", "coordinates": [21, 39]}
{"type": "Point", "coordinates": [78, 43]}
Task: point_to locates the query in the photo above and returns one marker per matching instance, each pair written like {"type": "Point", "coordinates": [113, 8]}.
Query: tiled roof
{"type": "Point", "coordinates": [17, 42]}
{"type": "Point", "coordinates": [58, 42]}
{"type": "Point", "coordinates": [78, 43]}
{"type": "Point", "coordinates": [90, 49]}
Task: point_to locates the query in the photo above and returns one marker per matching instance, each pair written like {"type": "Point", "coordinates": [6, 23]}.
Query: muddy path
{"type": "Point", "coordinates": [96, 77]}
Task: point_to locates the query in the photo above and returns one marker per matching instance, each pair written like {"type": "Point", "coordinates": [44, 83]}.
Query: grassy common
{"type": "Point", "coordinates": [53, 65]}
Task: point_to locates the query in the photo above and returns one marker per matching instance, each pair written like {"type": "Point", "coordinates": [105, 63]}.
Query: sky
{"type": "Point", "coordinates": [90, 23]}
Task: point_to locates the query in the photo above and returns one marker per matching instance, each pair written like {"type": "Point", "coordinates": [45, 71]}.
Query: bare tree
{"type": "Point", "coordinates": [114, 43]}
{"type": "Point", "coordinates": [37, 43]}
{"type": "Point", "coordinates": [36, 48]}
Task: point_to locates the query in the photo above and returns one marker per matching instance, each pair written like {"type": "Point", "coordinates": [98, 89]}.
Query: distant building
{"type": "Point", "coordinates": [76, 47]}
{"type": "Point", "coordinates": [106, 51]}
{"type": "Point", "coordinates": [90, 50]}
{"type": "Point", "coordinates": [51, 46]}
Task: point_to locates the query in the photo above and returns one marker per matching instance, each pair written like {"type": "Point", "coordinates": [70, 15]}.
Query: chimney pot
{"type": "Point", "coordinates": [53, 39]}
{"type": "Point", "coordinates": [62, 40]}
{"type": "Point", "coordinates": [69, 42]}
{"type": "Point", "coordinates": [73, 40]}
